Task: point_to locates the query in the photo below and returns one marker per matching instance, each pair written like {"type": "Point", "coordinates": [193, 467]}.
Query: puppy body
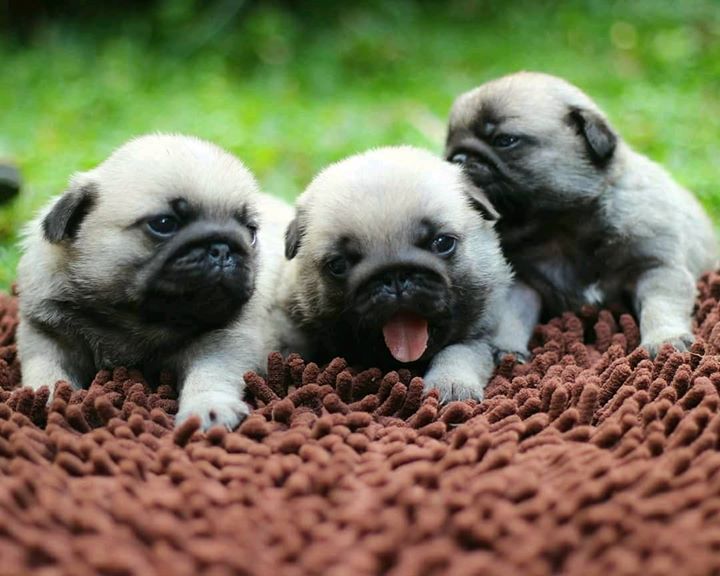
{"type": "Point", "coordinates": [585, 219]}
{"type": "Point", "coordinates": [373, 270]}
{"type": "Point", "coordinates": [98, 289]}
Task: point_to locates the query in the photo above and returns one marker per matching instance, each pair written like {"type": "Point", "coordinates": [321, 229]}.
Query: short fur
{"type": "Point", "coordinates": [585, 219]}
{"type": "Point", "coordinates": [98, 290]}
{"type": "Point", "coordinates": [380, 210]}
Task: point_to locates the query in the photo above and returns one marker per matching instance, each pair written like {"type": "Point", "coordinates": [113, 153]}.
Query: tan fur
{"type": "Point", "coordinates": [138, 180]}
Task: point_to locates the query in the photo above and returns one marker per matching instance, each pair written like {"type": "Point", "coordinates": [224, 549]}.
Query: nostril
{"type": "Point", "coordinates": [405, 280]}
{"type": "Point", "coordinates": [481, 171]}
{"type": "Point", "coordinates": [219, 253]}
{"type": "Point", "coordinates": [388, 280]}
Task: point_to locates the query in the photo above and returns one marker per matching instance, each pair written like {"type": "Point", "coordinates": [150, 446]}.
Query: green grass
{"type": "Point", "coordinates": [289, 91]}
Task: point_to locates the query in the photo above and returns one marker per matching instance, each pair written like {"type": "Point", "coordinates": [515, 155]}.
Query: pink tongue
{"type": "Point", "coordinates": [406, 336]}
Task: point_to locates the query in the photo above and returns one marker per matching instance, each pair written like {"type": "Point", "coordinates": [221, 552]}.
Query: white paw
{"type": "Point", "coordinates": [681, 342]}
{"type": "Point", "coordinates": [214, 409]}
{"type": "Point", "coordinates": [455, 384]}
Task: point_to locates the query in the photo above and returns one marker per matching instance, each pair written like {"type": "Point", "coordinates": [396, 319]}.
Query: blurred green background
{"type": "Point", "coordinates": [292, 86]}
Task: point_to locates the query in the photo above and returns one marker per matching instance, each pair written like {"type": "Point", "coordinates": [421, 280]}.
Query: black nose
{"type": "Point", "coordinates": [480, 172]}
{"type": "Point", "coordinates": [395, 282]}
{"type": "Point", "coordinates": [477, 167]}
{"type": "Point", "coordinates": [401, 282]}
{"type": "Point", "coordinates": [220, 254]}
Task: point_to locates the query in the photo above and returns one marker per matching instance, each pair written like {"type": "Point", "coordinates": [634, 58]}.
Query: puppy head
{"type": "Point", "coordinates": [164, 228]}
{"type": "Point", "coordinates": [531, 141]}
{"type": "Point", "coordinates": [392, 265]}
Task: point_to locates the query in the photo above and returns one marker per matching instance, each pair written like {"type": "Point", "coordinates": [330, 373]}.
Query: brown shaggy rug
{"type": "Point", "coordinates": [591, 459]}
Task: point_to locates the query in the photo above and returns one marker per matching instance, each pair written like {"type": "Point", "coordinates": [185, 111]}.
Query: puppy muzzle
{"type": "Point", "coordinates": [400, 313]}
{"type": "Point", "coordinates": [477, 159]}
{"type": "Point", "coordinates": [487, 171]}
{"type": "Point", "coordinates": [400, 287]}
{"type": "Point", "coordinates": [204, 280]}
{"type": "Point", "coordinates": [214, 258]}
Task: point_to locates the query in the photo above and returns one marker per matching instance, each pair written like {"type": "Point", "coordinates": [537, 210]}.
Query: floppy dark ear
{"type": "Point", "coordinates": [480, 202]}
{"type": "Point", "coordinates": [63, 221]}
{"type": "Point", "coordinates": [600, 139]}
{"type": "Point", "coordinates": [294, 235]}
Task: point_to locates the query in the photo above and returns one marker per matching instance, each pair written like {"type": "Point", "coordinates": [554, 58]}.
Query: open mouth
{"type": "Point", "coordinates": [406, 336]}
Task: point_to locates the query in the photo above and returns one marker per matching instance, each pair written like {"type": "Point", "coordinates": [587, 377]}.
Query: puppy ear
{"type": "Point", "coordinates": [480, 202]}
{"type": "Point", "coordinates": [294, 234]}
{"type": "Point", "coordinates": [63, 221]}
{"type": "Point", "coordinates": [600, 139]}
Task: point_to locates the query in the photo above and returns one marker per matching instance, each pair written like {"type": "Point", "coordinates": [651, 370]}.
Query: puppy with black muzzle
{"type": "Point", "coordinates": [585, 219]}
{"type": "Point", "coordinates": [395, 262]}
{"type": "Point", "coordinates": [166, 255]}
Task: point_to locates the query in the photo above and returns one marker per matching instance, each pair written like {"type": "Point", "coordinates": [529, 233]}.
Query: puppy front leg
{"type": "Point", "coordinates": [461, 371]}
{"type": "Point", "coordinates": [213, 384]}
{"type": "Point", "coordinates": [517, 322]}
{"type": "Point", "coordinates": [664, 299]}
{"type": "Point", "coordinates": [41, 358]}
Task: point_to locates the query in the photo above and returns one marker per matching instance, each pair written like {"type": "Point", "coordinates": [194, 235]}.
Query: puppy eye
{"type": "Point", "coordinates": [443, 245]}
{"type": "Point", "coordinates": [163, 226]}
{"type": "Point", "coordinates": [253, 234]}
{"type": "Point", "coordinates": [338, 266]}
{"type": "Point", "coordinates": [505, 141]}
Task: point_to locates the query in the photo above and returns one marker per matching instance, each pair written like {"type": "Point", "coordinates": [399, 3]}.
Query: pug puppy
{"type": "Point", "coordinates": [585, 218]}
{"type": "Point", "coordinates": [166, 255]}
{"type": "Point", "coordinates": [394, 262]}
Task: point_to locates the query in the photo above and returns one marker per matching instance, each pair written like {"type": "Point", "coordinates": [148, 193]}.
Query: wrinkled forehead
{"type": "Point", "coordinates": [386, 206]}
{"type": "Point", "coordinates": [532, 103]}
{"type": "Point", "coordinates": [151, 178]}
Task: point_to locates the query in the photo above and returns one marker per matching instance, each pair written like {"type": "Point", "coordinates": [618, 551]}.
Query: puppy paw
{"type": "Point", "coordinates": [681, 343]}
{"type": "Point", "coordinates": [454, 385]}
{"type": "Point", "coordinates": [214, 409]}
{"type": "Point", "coordinates": [521, 356]}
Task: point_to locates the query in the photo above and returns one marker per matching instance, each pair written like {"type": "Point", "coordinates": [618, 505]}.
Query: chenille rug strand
{"type": "Point", "coordinates": [591, 459]}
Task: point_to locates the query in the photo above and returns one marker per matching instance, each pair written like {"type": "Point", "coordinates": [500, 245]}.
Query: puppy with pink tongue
{"type": "Point", "coordinates": [388, 267]}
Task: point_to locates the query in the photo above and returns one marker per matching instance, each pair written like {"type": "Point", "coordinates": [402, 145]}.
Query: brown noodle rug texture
{"type": "Point", "coordinates": [591, 459]}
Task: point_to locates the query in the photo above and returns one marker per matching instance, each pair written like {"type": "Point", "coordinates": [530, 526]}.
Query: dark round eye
{"type": "Point", "coordinates": [253, 234]}
{"type": "Point", "coordinates": [459, 158]}
{"type": "Point", "coordinates": [338, 266]}
{"type": "Point", "coordinates": [443, 245]}
{"type": "Point", "coordinates": [163, 226]}
{"type": "Point", "coordinates": [505, 141]}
